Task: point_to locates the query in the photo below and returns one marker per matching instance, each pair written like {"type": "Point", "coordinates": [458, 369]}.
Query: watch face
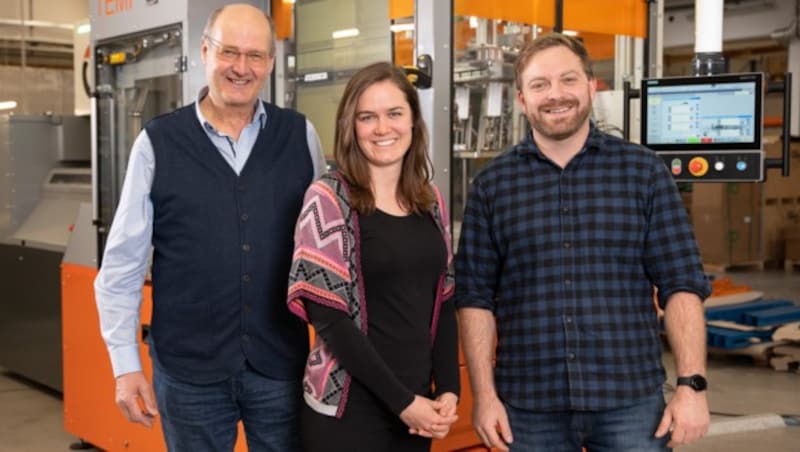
{"type": "Point", "coordinates": [698, 383]}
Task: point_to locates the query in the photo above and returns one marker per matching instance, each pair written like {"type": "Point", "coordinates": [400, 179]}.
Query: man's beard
{"type": "Point", "coordinates": [562, 128]}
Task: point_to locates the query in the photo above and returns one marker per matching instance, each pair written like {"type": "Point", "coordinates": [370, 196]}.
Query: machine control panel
{"type": "Point", "coordinates": [715, 166]}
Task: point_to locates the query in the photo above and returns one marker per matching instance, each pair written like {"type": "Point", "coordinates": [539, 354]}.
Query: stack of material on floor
{"type": "Point", "coordinates": [745, 324]}
{"type": "Point", "coordinates": [725, 286]}
{"type": "Point", "coordinates": [786, 357]}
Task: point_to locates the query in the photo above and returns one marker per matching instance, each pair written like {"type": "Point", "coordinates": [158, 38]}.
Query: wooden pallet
{"type": "Point", "coordinates": [759, 353]}
{"type": "Point", "coordinates": [724, 268]}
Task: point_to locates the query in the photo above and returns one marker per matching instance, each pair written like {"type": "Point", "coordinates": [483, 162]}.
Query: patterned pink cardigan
{"type": "Point", "coordinates": [326, 269]}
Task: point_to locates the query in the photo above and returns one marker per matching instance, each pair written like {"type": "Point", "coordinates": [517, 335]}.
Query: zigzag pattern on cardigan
{"type": "Point", "coordinates": [325, 251]}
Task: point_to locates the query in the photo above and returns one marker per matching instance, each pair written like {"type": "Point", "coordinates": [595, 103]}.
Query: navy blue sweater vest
{"type": "Point", "coordinates": [222, 249]}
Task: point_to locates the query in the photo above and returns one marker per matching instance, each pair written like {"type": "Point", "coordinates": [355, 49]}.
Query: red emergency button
{"type": "Point", "coordinates": [698, 166]}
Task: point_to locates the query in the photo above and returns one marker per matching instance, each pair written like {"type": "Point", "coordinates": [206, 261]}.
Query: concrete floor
{"type": "Point", "coordinates": [31, 418]}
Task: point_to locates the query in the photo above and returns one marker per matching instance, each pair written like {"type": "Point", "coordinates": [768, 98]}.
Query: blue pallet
{"type": "Point", "coordinates": [736, 312]}
{"type": "Point", "coordinates": [771, 317]}
{"type": "Point", "coordinates": [733, 339]}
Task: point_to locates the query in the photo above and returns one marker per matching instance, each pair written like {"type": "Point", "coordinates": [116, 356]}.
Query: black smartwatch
{"type": "Point", "coordinates": [696, 382]}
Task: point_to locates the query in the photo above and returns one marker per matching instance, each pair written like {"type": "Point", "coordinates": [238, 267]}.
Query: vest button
{"type": "Point", "coordinates": [244, 217]}
{"type": "Point", "coordinates": [240, 187]}
{"type": "Point", "coordinates": [246, 277]}
{"type": "Point", "coordinates": [246, 247]}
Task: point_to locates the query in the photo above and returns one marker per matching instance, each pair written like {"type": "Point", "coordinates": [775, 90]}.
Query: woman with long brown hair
{"type": "Point", "coordinates": [370, 273]}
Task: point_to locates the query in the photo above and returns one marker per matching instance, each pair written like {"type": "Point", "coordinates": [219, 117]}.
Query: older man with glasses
{"type": "Point", "coordinates": [215, 188]}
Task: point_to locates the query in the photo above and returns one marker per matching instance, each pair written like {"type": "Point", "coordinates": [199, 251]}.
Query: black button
{"type": "Point", "coordinates": [246, 247]}
{"type": "Point", "coordinates": [246, 277]}
{"type": "Point", "coordinates": [571, 356]}
{"type": "Point", "coordinates": [240, 187]}
{"type": "Point", "coordinates": [244, 217]}
{"type": "Point", "coordinates": [564, 209]}
{"type": "Point", "coordinates": [245, 338]}
{"type": "Point", "coordinates": [247, 308]}
{"type": "Point", "coordinates": [567, 281]}
{"type": "Point", "coordinates": [567, 245]}
{"type": "Point", "coordinates": [568, 320]}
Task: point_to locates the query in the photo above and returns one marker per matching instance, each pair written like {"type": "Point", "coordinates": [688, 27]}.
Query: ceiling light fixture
{"type": "Point", "coordinates": [396, 28]}
{"type": "Point", "coordinates": [346, 33]}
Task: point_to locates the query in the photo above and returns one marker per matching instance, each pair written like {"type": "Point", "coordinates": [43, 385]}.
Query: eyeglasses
{"type": "Point", "coordinates": [231, 54]}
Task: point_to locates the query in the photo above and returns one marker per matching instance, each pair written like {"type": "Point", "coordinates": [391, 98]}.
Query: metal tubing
{"type": "Point", "coordinates": [559, 19]}
{"type": "Point", "coordinates": [784, 162]}
{"type": "Point", "coordinates": [626, 110]}
{"type": "Point", "coordinates": [94, 160]}
{"type": "Point", "coordinates": [787, 122]}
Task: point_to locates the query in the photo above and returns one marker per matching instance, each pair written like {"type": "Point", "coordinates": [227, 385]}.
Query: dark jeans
{"type": "Point", "coordinates": [628, 429]}
{"type": "Point", "coordinates": [205, 417]}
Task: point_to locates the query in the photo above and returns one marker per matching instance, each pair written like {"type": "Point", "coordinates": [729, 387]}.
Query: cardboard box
{"type": "Point", "coordinates": [775, 185]}
{"type": "Point", "coordinates": [727, 221]}
{"type": "Point", "coordinates": [745, 223]}
{"type": "Point", "coordinates": [774, 219]}
{"type": "Point", "coordinates": [792, 237]}
{"type": "Point", "coordinates": [773, 145]}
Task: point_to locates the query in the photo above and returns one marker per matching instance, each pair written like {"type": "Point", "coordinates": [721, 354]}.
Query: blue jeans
{"type": "Point", "coordinates": [200, 418]}
{"type": "Point", "coordinates": [628, 429]}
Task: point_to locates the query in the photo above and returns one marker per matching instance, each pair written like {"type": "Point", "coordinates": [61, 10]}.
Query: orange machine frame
{"type": "Point", "coordinates": [89, 409]}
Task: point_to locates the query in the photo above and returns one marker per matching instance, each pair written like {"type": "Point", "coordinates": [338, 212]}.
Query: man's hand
{"type": "Point", "coordinates": [135, 398]}
{"type": "Point", "coordinates": [423, 418]}
{"type": "Point", "coordinates": [686, 415]}
{"type": "Point", "coordinates": [488, 416]}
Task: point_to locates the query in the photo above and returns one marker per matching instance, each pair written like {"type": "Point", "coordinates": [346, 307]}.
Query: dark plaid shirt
{"type": "Point", "coordinates": [566, 259]}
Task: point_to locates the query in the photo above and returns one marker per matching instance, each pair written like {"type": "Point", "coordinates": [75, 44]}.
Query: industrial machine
{"type": "Point", "coordinates": [145, 61]}
{"type": "Point", "coordinates": [335, 38]}
{"type": "Point", "coordinates": [706, 127]}
{"type": "Point", "coordinates": [709, 127]}
{"type": "Point", "coordinates": [45, 163]}
{"type": "Point", "coordinates": [487, 118]}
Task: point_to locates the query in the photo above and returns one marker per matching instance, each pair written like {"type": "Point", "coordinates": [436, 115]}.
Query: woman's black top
{"type": "Point", "coordinates": [402, 259]}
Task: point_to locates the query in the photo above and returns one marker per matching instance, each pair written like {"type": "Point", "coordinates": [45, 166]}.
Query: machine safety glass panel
{"type": "Point", "coordinates": [335, 38]}
{"type": "Point", "coordinates": [138, 77]}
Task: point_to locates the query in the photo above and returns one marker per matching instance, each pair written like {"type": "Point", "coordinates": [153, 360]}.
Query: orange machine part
{"type": "Point", "coordinates": [627, 17]}
{"type": "Point", "coordinates": [89, 409]}
{"type": "Point", "coordinates": [283, 17]}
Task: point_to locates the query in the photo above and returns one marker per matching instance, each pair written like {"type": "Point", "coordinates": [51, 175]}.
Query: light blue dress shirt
{"type": "Point", "coordinates": [118, 286]}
